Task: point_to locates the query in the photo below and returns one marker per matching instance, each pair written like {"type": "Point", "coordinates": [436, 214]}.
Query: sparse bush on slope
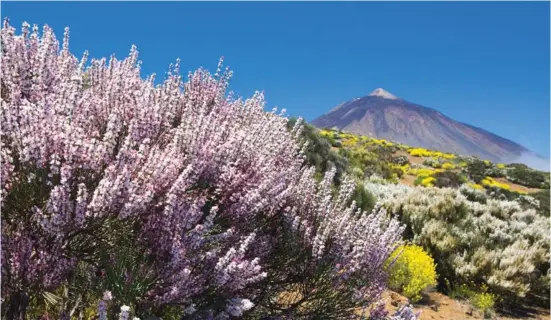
{"type": "Point", "coordinates": [176, 198]}
{"type": "Point", "coordinates": [476, 169]}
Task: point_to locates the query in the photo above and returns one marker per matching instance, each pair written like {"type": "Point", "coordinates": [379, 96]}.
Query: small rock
{"type": "Point", "coordinates": [434, 307]}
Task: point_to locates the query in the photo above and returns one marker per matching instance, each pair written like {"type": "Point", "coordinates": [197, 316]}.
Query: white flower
{"type": "Point", "coordinates": [107, 296]}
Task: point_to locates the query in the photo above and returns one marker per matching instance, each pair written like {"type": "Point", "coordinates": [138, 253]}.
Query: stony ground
{"type": "Point", "coordinates": [438, 306]}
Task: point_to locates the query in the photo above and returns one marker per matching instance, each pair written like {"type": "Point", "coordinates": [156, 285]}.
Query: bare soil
{"type": "Point", "coordinates": [408, 180]}
{"type": "Point", "coordinates": [436, 305]}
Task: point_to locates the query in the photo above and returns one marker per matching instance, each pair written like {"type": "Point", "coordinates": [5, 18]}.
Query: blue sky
{"type": "Point", "coordinates": [483, 63]}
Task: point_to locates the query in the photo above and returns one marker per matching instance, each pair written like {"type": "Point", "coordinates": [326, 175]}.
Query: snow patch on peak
{"type": "Point", "coordinates": [382, 93]}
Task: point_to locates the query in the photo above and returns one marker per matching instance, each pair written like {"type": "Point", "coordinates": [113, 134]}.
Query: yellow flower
{"type": "Point", "coordinates": [490, 182]}
{"type": "Point", "coordinates": [412, 271]}
{"type": "Point", "coordinates": [448, 165]}
{"type": "Point", "coordinates": [476, 186]}
{"type": "Point", "coordinates": [428, 182]}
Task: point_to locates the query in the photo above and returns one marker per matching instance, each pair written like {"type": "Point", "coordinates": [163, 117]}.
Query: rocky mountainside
{"type": "Point", "coordinates": [384, 115]}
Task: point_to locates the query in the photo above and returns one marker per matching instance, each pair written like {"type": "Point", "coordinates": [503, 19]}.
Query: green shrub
{"type": "Point", "coordinates": [476, 170]}
{"type": "Point", "coordinates": [400, 160]}
{"type": "Point", "coordinates": [411, 270]}
{"type": "Point", "coordinates": [364, 199]}
{"type": "Point", "coordinates": [525, 176]}
{"type": "Point", "coordinates": [448, 179]}
{"type": "Point", "coordinates": [543, 198]}
{"type": "Point", "coordinates": [432, 162]}
{"type": "Point", "coordinates": [485, 302]}
{"type": "Point", "coordinates": [319, 153]}
{"type": "Point", "coordinates": [496, 172]}
{"type": "Point", "coordinates": [479, 298]}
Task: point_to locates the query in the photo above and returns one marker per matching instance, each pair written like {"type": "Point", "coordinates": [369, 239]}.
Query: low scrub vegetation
{"type": "Point", "coordinates": [473, 237]}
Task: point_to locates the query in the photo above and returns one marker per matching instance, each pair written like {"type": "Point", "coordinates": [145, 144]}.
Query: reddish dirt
{"type": "Point", "coordinates": [408, 180]}
{"type": "Point", "coordinates": [438, 306]}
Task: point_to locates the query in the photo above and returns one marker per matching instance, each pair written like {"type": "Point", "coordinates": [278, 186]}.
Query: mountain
{"type": "Point", "coordinates": [385, 116]}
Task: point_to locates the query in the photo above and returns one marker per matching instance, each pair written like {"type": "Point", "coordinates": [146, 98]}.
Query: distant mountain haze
{"type": "Point", "coordinates": [383, 115]}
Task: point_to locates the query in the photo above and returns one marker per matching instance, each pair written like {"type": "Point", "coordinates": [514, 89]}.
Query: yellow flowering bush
{"type": "Point", "coordinates": [421, 172]}
{"type": "Point", "coordinates": [428, 182]}
{"type": "Point", "coordinates": [412, 271]}
{"type": "Point", "coordinates": [484, 301]}
{"type": "Point", "coordinates": [475, 186]}
{"type": "Point", "coordinates": [403, 168]}
{"type": "Point", "coordinates": [381, 142]}
{"type": "Point", "coordinates": [420, 152]}
{"type": "Point", "coordinates": [447, 166]}
{"type": "Point", "coordinates": [490, 182]}
{"type": "Point", "coordinates": [500, 166]}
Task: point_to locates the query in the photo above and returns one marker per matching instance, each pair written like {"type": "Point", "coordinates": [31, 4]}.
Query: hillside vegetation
{"type": "Point", "coordinates": [485, 224]}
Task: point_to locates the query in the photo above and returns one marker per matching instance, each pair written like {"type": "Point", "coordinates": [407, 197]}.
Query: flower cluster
{"type": "Point", "coordinates": [411, 271]}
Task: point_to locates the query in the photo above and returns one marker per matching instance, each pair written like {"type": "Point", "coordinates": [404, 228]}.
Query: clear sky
{"type": "Point", "coordinates": [483, 63]}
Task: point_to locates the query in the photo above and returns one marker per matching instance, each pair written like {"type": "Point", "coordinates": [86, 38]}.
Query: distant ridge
{"type": "Point", "coordinates": [382, 114]}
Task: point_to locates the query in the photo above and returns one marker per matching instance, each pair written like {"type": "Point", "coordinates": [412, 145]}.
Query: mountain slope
{"type": "Point", "coordinates": [383, 115]}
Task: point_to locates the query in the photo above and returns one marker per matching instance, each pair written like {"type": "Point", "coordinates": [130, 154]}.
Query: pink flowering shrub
{"type": "Point", "coordinates": [176, 194]}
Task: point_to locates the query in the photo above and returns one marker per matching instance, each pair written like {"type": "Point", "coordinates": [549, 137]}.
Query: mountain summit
{"type": "Point", "coordinates": [382, 93]}
{"type": "Point", "coordinates": [383, 115]}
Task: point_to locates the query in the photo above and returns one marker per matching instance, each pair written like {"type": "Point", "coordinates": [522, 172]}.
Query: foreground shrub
{"type": "Point", "coordinates": [483, 240]}
{"type": "Point", "coordinates": [177, 198]}
{"type": "Point", "coordinates": [411, 270]}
